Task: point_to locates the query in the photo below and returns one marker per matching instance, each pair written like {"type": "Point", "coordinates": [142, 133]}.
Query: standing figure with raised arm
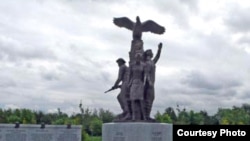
{"type": "Point", "coordinates": [150, 68]}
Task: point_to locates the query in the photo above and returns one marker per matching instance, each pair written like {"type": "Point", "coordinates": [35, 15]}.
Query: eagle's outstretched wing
{"type": "Point", "coordinates": [153, 27]}
{"type": "Point", "coordinates": [124, 22]}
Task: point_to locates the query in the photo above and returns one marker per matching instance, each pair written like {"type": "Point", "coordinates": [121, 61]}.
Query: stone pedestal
{"type": "Point", "coordinates": [137, 131]}
{"type": "Point", "coordinates": [31, 132]}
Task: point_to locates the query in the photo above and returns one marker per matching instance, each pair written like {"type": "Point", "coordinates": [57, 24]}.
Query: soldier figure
{"type": "Point", "coordinates": [123, 96]}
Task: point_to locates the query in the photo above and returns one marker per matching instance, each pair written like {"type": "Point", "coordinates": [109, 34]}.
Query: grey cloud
{"type": "Point", "coordinates": [192, 4]}
{"type": "Point", "coordinates": [199, 80]}
{"type": "Point", "coordinates": [238, 19]}
{"type": "Point", "coordinates": [7, 83]}
{"type": "Point", "coordinates": [50, 76]}
{"type": "Point", "coordinates": [109, 1]}
{"type": "Point", "coordinates": [195, 98]}
{"type": "Point", "coordinates": [180, 10]}
{"type": "Point", "coordinates": [245, 94]}
{"type": "Point", "coordinates": [215, 41]}
{"type": "Point", "coordinates": [199, 51]}
{"type": "Point", "coordinates": [14, 50]}
{"type": "Point", "coordinates": [244, 40]}
{"type": "Point", "coordinates": [106, 77]}
{"type": "Point", "coordinates": [68, 51]}
{"type": "Point", "coordinates": [89, 9]}
{"type": "Point", "coordinates": [77, 77]}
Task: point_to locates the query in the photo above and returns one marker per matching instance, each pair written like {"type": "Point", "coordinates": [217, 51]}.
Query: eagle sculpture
{"type": "Point", "coordinates": [138, 27]}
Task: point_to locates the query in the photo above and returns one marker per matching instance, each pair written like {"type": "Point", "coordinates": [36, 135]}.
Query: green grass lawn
{"type": "Point", "coordinates": [95, 138]}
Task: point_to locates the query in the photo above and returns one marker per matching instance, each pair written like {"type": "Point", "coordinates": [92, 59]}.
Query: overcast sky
{"type": "Point", "coordinates": [55, 53]}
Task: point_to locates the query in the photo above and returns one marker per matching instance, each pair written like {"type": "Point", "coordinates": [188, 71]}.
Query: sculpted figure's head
{"type": "Point", "coordinates": [138, 57]}
{"type": "Point", "coordinates": [120, 61]}
{"type": "Point", "coordinates": [148, 53]}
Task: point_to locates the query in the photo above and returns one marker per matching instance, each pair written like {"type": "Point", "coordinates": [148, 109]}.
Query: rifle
{"type": "Point", "coordinates": [113, 88]}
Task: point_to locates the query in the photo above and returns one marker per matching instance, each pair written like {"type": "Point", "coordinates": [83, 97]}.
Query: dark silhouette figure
{"type": "Point", "coordinates": [136, 83]}
{"type": "Point", "coordinates": [123, 96]}
{"type": "Point", "coordinates": [138, 27]}
{"type": "Point", "coordinates": [150, 68]}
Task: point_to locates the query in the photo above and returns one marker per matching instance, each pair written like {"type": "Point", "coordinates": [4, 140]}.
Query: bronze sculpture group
{"type": "Point", "coordinates": [137, 80]}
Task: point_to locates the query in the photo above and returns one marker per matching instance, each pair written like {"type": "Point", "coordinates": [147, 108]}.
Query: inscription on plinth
{"type": "Point", "coordinates": [41, 135]}
{"type": "Point", "coordinates": [35, 133]}
{"type": "Point", "coordinates": [15, 135]}
{"type": "Point", "coordinates": [66, 135]}
{"type": "Point", "coordinates": [119, 136]}
{"type": "Point", "coordinates": [137, 132]}
{"type": "Point", "coordinates": [157, 136]}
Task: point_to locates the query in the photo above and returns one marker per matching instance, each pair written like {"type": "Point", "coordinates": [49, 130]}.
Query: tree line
{"type": "Point", "coordinates": [92, 119]}
{"type": "Point", "coordinates": [224, 116]}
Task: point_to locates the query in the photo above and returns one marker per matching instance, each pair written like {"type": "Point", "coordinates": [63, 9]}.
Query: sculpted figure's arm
{"type": "Point", "coordinates": [145, 74]}
{"type": "Point", "coordinates": [120, 76]}
{"type": "Point", "coordinates": [147, 77]}
{"type": "Point", "coordinates": [158, 54]}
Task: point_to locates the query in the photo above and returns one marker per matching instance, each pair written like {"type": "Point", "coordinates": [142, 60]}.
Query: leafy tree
{"type": "Point", "coordinates": [106, 116]}
{"type": "Point", "coordinates": [196, 118]}
{"type": "Point", "coordinates": [183, 117]}
{"type": "Point", "coordinates": [163, 118]}
{"type": "Point", "coordinates": [8, 112]}
{"type": "Point", "coordinates": [246, 107]}
{"type": "Point", "coordinates": [59, 121]}
{"type": "Point", "coordinates": [85, 136]}
{"type": "Point", "coordinates": [26, 115]}
{"type": "Point", "coordinates": [13, 119]}
{"type": "Point", "coordinates": [76, 119]}
{"type": "Point", "coordinates": [92, 120]}
{"type": "Point", "coordinates": [209, 120]}
{"type": "Point", "coordinates": [170, 111]}
{"type": "Point", "coordinates": [235, 116]}
{"type": "Point", "coordinates": [2, 117]}
{"type": "Point", "coordinates": [39, 116]}
{"type": "Point", "coordinates": [96, 127]}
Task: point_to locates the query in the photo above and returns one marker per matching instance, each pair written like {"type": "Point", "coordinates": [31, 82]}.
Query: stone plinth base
{"type": "Point", "coordinates": [137, 131]}
{"type": "Point", "coordinates": [33, 132]}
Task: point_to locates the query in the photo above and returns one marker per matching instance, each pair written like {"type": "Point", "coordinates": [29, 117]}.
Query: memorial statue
{"type": "Point", "coordinates": [136, 99]}
{"type": "Point", "coordinates": [138, 27]}
{"type": "Point", "coordinates": [150, 66]}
